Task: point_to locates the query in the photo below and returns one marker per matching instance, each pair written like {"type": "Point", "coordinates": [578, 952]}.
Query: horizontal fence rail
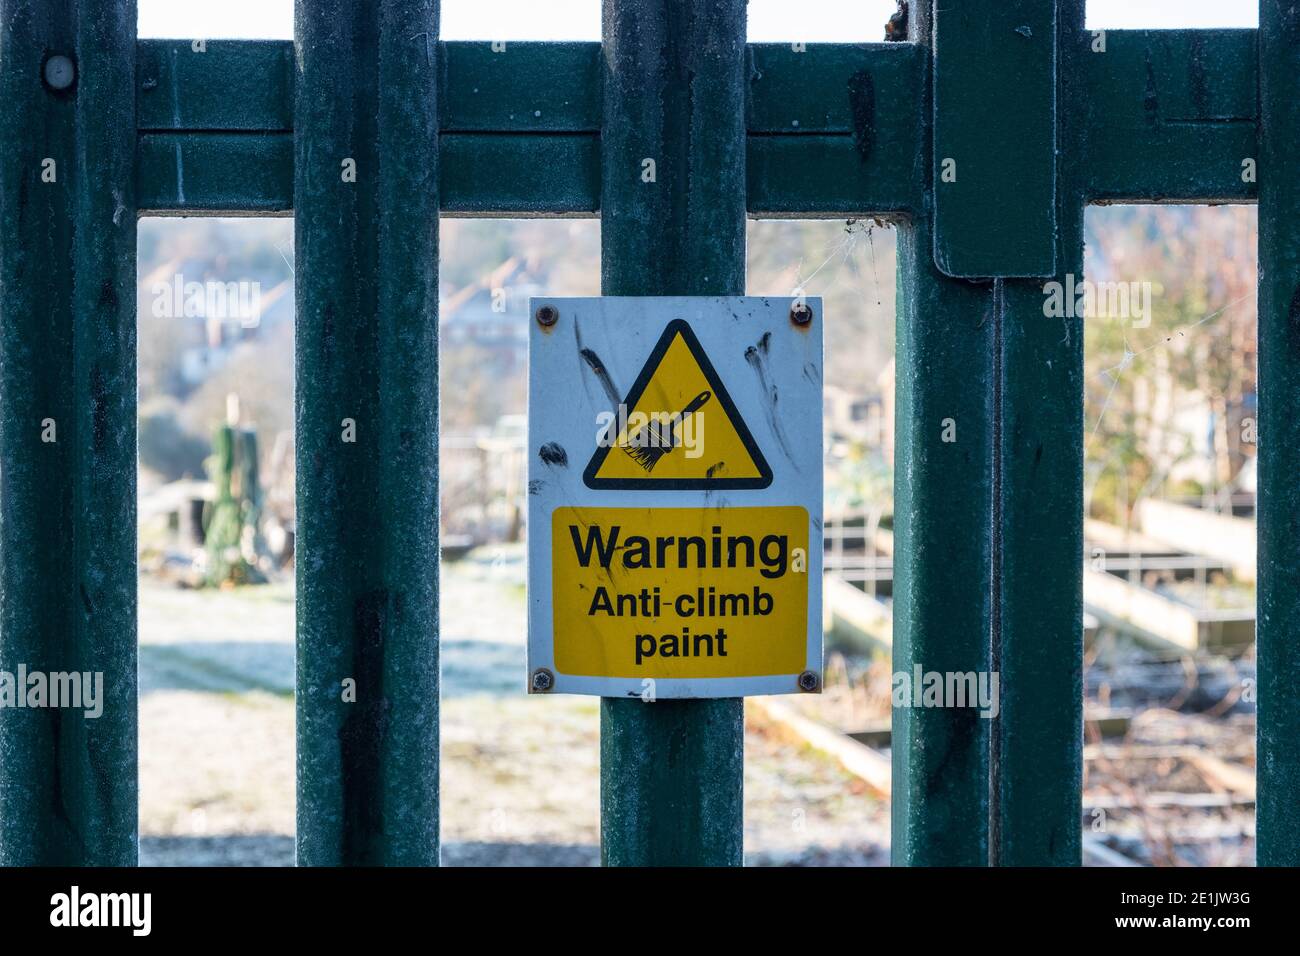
{"type": "Point", "coordinates": [834, 130]}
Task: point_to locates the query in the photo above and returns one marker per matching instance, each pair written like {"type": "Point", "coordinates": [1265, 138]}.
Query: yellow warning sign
{"type": "Point", "coordinates": [678, 427]}
{"type": "Point", "coordinates": [680, 592]}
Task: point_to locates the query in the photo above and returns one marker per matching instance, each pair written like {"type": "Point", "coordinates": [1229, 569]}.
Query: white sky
{"type": "Point", "coordinates": [813, 21]}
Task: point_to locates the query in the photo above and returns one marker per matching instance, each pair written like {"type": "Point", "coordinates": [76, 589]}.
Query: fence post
{"type": "Point", "coordinates": [672, 223]}
{"type": "Point", "coordinates": [67, 425]}
{"type": "Point", "coordinates": [366, 248]}
{"type": "Point", "coordinates": [942, 517]}
{"type": "Point", "coordinates": [1037, 761]}
{"type": "Point", "coordinates": [1001, 497]}
{"type": "Point", "coordinates": [1278, 514]}
{"type": "Point", "coordinates": [942, 497]}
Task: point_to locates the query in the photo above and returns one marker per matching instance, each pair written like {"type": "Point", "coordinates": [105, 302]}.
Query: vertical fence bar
{"type": "Point", "coordinates": [67, 425]}
{"type": "Point", "coordinates": [1278, 517]}
{"type": "Point", "coordinates": [942, 497]}
{"type": "Point", "coordinates": [673, 223]}
{"type": "Point", "coordinates": [366, 237]}
{"type": "Point", "coordinates": [1003, 500]}
{"type": "Point", "coordinates": [1038, 556]}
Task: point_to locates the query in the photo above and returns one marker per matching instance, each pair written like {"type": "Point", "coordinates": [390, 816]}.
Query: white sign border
{"type": "Point", "coordinates": [741, 335]}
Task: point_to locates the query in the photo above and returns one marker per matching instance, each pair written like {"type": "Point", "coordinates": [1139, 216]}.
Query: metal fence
{"type": "Point", "coordinates": [983, 135]}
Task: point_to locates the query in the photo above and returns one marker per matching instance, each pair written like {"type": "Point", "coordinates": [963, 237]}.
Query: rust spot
{"type": "Point", "coordinates": [896, 28]}
{"type": "Point", "coordinates": [547, 316]}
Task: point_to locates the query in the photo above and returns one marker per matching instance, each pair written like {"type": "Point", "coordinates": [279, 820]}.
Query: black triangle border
{"type": "Point", "coordinates": [762, 480]}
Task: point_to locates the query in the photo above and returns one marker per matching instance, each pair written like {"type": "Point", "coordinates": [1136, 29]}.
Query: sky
{"type": "Point", "coordinates": [812, 21]}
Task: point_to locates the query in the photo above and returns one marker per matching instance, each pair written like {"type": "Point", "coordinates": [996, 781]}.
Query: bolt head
{"type": "Point", "coordinates": [547, 315]}
{"type": "Point", "coordinates": [542, 680]}
{"type": "Point", "coordinates": [59, 72]}
{"type": "Point", "coordinates": [801, 313]}
{"type": "Point", "coordinates": [808, 681]}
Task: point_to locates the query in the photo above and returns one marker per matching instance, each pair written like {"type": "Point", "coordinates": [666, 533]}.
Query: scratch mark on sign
{"type": "Point", "coordinates": [602, 375]}
{"type": "Point", "coordinates": [756, 356]}
{"type": "Point", "coordinates": [554, 455]}
{"type": "Point", "coordinates": [593, 362]}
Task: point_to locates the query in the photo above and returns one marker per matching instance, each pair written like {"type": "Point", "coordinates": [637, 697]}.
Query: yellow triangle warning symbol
{"type": "Point", "coordinates": [678, 427]}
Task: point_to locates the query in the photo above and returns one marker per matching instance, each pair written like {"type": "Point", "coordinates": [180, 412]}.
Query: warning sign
{"type": "Point", "coordinates": [677, 404]}
{"type": "Point", "coordinates": [674, 520]}
{"type": "Point", "coordinates": [679, 592]}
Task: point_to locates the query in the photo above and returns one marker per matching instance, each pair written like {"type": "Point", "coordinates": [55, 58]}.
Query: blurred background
{"type": "Point", "coordinates": [1169, 526]}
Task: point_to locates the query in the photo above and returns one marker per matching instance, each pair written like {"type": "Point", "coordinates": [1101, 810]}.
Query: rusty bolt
{"type": "Point", "coordinates": [547, 315]}
{"type": "Point", "coordinates": [808, 681]}
{"type": "Point", "coordinates": [801, 313]}
{"type": "Point", "coordinates": [543, 680]}
{"type": "Point", "coordinates": [59, 72]}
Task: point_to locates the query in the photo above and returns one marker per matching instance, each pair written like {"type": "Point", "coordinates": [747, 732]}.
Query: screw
{"type": "Point", "coordinates": [543, 680]}
{"type": "Point", "coordinates": [59, 72]}
{"type": "Point", "coordinates": [800, 313]}
{"type": "Point", "coordinates": [547, 315]}
{"type": "Point", "coordinates": [808, 681]}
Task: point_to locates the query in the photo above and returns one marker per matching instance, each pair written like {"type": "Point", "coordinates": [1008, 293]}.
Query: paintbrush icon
{"type": "Point", "coordinates": [656, 439]}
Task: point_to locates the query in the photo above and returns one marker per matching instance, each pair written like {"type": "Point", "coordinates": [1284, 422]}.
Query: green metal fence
{"type": "Point", "coordinates": [983, 136]}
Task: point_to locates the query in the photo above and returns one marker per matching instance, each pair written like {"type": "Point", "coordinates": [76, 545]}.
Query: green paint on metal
{"type": "Point", "coordinates": [836, 88]}
{"type": "Point", "coordinates": [855, 150]}
{"type": "Point", "coordinates": [1003, 501]}
{"type": "Point", "coordinates": [1037, 632]}
{"type": "Point", "coordinates": [994, 147]}
{"type": "Point", "coordinates": [671, 775]}
{"type": "Point", "coordinates": [1278, 516]}
{"type": "Point", "coordinates": [489, 174]}
{"type": "Point", "coordinates": [828, 132]}
{"type": "Point", "coordinates": [521, 87]}
{"type": "Point", "coordinates": [366, 250]}
{"type": "Point", "coordinates": [825, 177]}
{"type": "Point", "coordinates": [1038, 623]}
{"type": "Point", "coordinates": [67, 429]}
{"type": "Point", "coordinates": [1168, 115]}
{"type": "Point", "coordinates": [198, 85]}
{"type": "Point", "coordinates": [941, 522]}
{"type": "Point", "coordinates": [480, 174]}
{"type": "Point", "coordinates": [214, 173]}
